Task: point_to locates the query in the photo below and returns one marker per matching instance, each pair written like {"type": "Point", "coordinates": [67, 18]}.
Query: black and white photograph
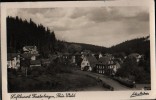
{"type": "Point", "coordinates": [78, 49]}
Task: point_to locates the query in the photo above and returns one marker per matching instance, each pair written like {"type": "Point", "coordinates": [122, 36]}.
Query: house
{"type": "Point", "coordinates": [13, 60]}
{"type": "Point", "coordinates": [107, 65]}
{"type": "Point", "coordinates": [136, 56]}
{"type": "Point", "coordinates": [85, 53]}
{"type": "Point", "coordinates": [78, 59]}
{"type": "Point", "coordinates": [73, 59]}
{"type": "Point", "coordinates": [29, 56]}
{"type": "Point", "coordinates": [88, 63]}
{"type": "Point", "coordinates": [100, 55]}
{"type": "Point", "coordinates": [66, 55]}
{"type": "Point", "coordinates": [28, 60]}
{"type": "Point", "coordinates": [30, 49]}
{"type": "Point", "coordinates": [35, 63]}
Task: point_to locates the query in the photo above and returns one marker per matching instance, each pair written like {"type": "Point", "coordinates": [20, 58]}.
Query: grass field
{"type": "Point", "coordinates": [53, 83]}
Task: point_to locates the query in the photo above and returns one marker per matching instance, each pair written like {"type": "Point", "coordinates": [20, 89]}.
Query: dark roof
{"type": "Point", "coordinates": [104, 60]}
{"type": "Point", "coordinates": [133, 55]}
{"type": "Point", "coordinates": [10, 56]}
{"type": "Point", "coordinates": [35, 62]}
{"type": "Point", "coordinates": [92, 60]}
{"type": "Point", "coordinates": [28, 55]}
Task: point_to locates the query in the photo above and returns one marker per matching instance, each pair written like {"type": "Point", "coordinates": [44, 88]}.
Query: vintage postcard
{"type": "Point", "coordinates": [78, 50]}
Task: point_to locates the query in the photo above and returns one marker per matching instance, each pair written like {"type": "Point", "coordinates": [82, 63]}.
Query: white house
{"type": "Point", "coordinates": [30, 49]}
{"type": "Point", "coordinates": [13, 60]}
{"type": "Point", "coordinates": [100, 55]}
{"type": "Point", "coordinates": [88, 63]}
{"type": "Point", "coordinates": [107, 65]}
{"type": "Point", "coordinates": [29, 56]}
{"type": "Point", "coordinates": [136, 56]}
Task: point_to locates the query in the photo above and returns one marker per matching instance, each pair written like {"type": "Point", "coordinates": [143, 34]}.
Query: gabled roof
{"type": "Point", "coordinates": [104, 60]}
{"type": "Point", "coordinates": [28, 55]}
{"type": "Point", "coordinates": [134, 55]}
{"type": "Point", "coordinates": [29, 47]}
{"type": "Point", "coordinates": [92, 60]}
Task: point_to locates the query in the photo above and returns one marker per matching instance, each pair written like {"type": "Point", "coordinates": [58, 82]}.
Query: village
{"type": "Point", "coordinates": [94, 65]}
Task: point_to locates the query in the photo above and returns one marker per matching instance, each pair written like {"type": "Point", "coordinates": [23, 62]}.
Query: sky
{"type": "Point", "coordinates": [103, 26]}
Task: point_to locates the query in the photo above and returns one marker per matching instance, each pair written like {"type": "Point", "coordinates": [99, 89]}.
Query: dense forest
{"type": "Point", "coordinates": [22, 32]}
{"type": "Point", "coordinates": [139, 45]}
{"type": "Point", "coordinates": [69, 46]}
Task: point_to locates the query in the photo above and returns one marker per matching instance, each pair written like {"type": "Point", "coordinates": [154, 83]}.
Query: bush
{"type": "Point", "coordinates": [131, 68]}
{"type": "Point", "coordinates": [55, 68]}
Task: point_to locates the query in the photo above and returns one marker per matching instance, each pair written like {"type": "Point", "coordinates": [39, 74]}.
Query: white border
{"type": "Point", "coordinates": [81, 95]}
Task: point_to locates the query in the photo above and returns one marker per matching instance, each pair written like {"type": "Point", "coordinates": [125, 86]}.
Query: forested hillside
{"type": "Point", "coordinates": [25, 33]}
{"type": "Point", "coordinates": [139, 45]}
{"type": "Point", "coordinates": [69, 46]}
{"type": "Point", "coordinates": [22, 32]}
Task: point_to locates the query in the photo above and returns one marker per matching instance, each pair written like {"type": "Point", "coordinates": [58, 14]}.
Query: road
{"type": "Point", "coordinates": [117, 86]}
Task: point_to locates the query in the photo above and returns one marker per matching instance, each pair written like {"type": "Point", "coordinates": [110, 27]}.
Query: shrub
{"type": "Point", "coordinates": [55, 68]}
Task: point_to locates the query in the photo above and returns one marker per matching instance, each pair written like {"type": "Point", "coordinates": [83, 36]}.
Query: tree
{"type": "Point", "coordinates": [131, 69]}
{"type": "Point", "coordinates": [23, 33]}
{"type": "Point", "coordinates": [73, 48]}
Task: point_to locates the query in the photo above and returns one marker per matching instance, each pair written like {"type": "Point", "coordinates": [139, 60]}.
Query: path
{"type": "Point", "coordinates": [117, 86]}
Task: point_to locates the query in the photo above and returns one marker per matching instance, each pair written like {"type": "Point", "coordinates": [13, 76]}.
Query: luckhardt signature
{"type": "Point", "coordinates": [135, 94]}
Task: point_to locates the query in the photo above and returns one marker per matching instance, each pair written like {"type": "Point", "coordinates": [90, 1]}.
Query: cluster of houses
{"type": "Point", "coordinates": [103, 64]}
{"type": "Point", "coordinates": [23, 60]}
{"type": "Point", "coordinates": [87, 61]}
